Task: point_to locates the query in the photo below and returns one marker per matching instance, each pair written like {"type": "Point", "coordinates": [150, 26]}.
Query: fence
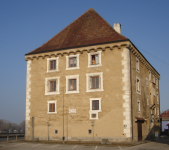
{"type": "Point", "coordinates": [11, 135]}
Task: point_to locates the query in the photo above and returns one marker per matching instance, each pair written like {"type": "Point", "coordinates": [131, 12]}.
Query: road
{"type": "Point", "coordinates": [156, 145]}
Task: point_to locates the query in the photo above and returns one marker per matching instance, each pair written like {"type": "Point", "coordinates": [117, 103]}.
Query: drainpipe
{"type": "Point", "coordinates": [32, 128]}
{"type": "Point", "coordinates": [131, 95]}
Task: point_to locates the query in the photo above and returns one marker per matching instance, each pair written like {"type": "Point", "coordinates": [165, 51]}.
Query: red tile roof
{"type": "Point", "coordinates": [88, 29]}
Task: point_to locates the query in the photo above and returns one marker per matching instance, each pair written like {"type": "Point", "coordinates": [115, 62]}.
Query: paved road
{"type": "Point", "coordinates": [157, 145]}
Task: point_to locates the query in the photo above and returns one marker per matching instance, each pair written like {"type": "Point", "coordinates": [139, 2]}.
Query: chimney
{"type": "Point", "coordinates": [117, 27]}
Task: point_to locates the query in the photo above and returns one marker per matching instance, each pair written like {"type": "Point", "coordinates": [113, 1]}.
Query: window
{"type": "Point", "coordinates": [52, 85]}
{"type": "Point", "coordinates": [147, 100]}
{"type": "Point", "coordinates": [95, 107]}
{"type": "Point", "coordinates": [154, 92]}
{"type": "Point", "coordinates": [147, 82]}
{"type": "Point", "coordinates": [52, 64]}
{"type": "Point", "coordinates": [153, 79]}
{"type": "Point", "coordinates": [89, 131]}
{"type": "Point", "coordinates": [138, 85]}
{"type": "Point", "coordinates": [94, 82]}
{"type": "Point", "coordinates": [72, 84]}
{"type": "Point", "coordinates": [94, 59]}
{"type": "Point", "coordinates": [51, 105]}
{"type": "Point", "coordinates": [157, 98]}
{"type": "Point", "coordinates": [138, 102]}
{"type": "Point", "coordinates": [156, 83]}
{"type": "Point", "coordinates": [72, 62]}
{"type": "Point", "coordinates": [157, 111]}
{"type": "Point", "coordinates": [149, 75]}
{"type": "Point", "coordinates": [137, 65]}
{"type": "Point", "coordinates": [56, 131]}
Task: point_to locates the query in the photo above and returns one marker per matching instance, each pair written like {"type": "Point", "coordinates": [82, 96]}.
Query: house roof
{"type": "Point", "coordinates": [89, 29]}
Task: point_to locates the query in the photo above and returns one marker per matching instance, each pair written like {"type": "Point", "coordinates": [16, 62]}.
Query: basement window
{"type": "Point", "coordinates": [89, 131]}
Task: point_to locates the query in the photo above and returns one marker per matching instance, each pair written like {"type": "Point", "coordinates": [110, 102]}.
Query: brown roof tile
{"type": "Point", "coordinates": [90, 28]}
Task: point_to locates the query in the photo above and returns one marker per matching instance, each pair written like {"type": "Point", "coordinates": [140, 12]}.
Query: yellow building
{"type": "Point", "coordinates": [91, 74]}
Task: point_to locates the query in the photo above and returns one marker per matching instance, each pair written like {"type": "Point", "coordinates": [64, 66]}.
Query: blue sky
{"type": "Point", "coordinates": [26, 25]}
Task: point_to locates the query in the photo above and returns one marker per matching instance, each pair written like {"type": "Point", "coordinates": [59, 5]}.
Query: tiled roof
{"type": "Point", "coordinates": [89, 29]}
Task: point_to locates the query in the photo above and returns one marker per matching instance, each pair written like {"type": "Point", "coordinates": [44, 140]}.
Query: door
{"type": "Point", "coordinates": [139, 126]}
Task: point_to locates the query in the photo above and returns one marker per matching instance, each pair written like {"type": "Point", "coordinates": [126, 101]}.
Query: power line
{"type": "Point", "coordinates": [153, 56]}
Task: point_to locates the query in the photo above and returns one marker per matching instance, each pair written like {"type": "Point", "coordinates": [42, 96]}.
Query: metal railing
{"type": "Point", "coordinates": [11, 135]}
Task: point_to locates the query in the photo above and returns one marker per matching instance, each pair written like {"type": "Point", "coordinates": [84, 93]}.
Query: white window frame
{"type": "Point", "coordinates": [53, 101]}
{"type": "Point", "coordinates": [67, 84]}
{"type": "Point", "coordinates": [149, 75]}
{"type": "Point", "coordinates": [139, 107]}
{"type": "Point", "coordinates": [94, 111]}
{"type": "Point", "coordinates": [137, 65]}
{"type": "Point", "coordinates": [158, 112]}
{"type": "Point", "coordinates": [157, 98]}
{"type": "Point", "coordinates": [138, 91]}
{"type": "Point", "coordinates": [157, 83]}
{"type": "Point", "coordinates": [48, 64]}
{"type": "Point", "coordinates": [154, 92]}
{"type": "Point", "coordinates": [155, 111]}
{"type": "Point", "coordinates": [47, 85]}
{"type": "Point", "coordinates": [88, 82]}
{"type": "Point", "coordinates": [154, 79]}
{"type": "Point", "coordinates": [77, 62]}
{"type": "Point", "coordinates": [147, 82]}
{"type": "Point", "coordinates": [147, 100]}
{"type": "Point", "coordinates": [89, 59]}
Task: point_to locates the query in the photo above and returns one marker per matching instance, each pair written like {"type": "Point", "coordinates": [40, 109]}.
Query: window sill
{"type": "Point", "coordinates": [94, 90]}
{"type": "Point", "coordinates": [71, 92]}
{"type": "Point", "coordinates": [48, 71]}
{"type": "Point", "coordinates": [52, 93]}
{"type": "Point", "coordinates": [90, 66]}
{"type": "Point", "coordinates": [72, 68]}
{"type": "Point", "coordinates": [50, 113]}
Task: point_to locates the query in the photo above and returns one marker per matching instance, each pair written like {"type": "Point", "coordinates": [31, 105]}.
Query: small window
{"type": "Point", "coordinates": [155, 111]}
{"type": "Point", "coordinates": [93, 116]}
{"type": "Point", "coordinates": [157, 98]}
{"type": "Point", "coordinates": [95, 105]}
{"type": "Point", "coordinates": [72, 84]}
{"type": "Point", "coordinates": [89, 131]}
{"type": "Point", "coordinates": [51, 107]}
{"type": "Point", "coordinates": [72, 62]}
{"type": "Point", "coordinates": [147, 100]}
{"type": "Point", "coordinates": [95, 82]}
{"type": "Point", "coordinates": [138, 85]}
{"type": "Point", "coordinates": [147, 82]}
{"type": "Point", "coordinates": [53, 85]}
{"type": "Point", "coordinates": [137, 65]}
{"type": "Point", "coordinates": [52, 64]}
{"type": "Point", "coordinates": [94, 59]}
{"type": "Point", "coordinates": [138, 105]}
{"type": "Point", "coordinates": [154, 92]}
{"type": "Point", "coordinates": [153, 79]}
{"type": "Point", "coordinates": [56, 131]}
{"type": "Point", "coordinates": [156, 83]}
{"type": "Point", "coordinates": [149, 75]}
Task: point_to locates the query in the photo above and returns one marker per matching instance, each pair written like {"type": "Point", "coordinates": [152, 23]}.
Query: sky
{"type": "Point", "coordinates": [26, 25]}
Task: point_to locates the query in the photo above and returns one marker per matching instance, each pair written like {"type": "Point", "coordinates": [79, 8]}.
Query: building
{"type": "Point", "coordinates": [99, 77]}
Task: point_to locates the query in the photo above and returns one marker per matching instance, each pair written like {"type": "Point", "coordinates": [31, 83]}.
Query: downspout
{"type": "Point", "coordinates": [131, 96]}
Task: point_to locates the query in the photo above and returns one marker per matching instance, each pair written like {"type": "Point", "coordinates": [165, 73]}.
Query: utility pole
{"type": "Point", "coordinates": [63, 138]}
